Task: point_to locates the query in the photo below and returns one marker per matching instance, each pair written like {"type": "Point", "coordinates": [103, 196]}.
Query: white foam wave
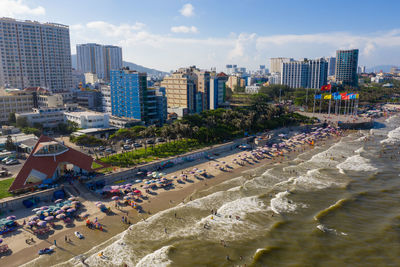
{"type": "Point", "coordinates": [241, 207]}
{"type": "Point", "coordinates": [281, 204]}
{"type": "Point", "coordinates": [356, 163]}
{"type": "Point", "coordinates": [325, 229]}
{"type": "Point", "coordinates": [360, 150]}
{"type": "Point", "coordinates": [314, 179]}
{"type": "Point", "coordinates": [158, 258]}
{"type": "Point", "coordinates": [393, 136]}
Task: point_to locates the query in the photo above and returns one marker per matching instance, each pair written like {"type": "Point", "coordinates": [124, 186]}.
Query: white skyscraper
{"type": "Point", "coordinates": [99, 59]}
{"type": "Point", "coordinates": [305, 73]}
{"type": "Point", "coordinates": [276, 63]}
{"type": "Point", "coordinates": [35, 54]}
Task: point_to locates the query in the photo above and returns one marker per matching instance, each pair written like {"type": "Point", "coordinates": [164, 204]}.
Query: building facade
{"type": "Point", "coordinates": [89, 99]}
{"type": "Point", "coordinates": [99, 59]}
{"type": "Point", "coordinates": [14, 101]}
{"type": "Point", "coordinates": [157, 106]}
{"type": "Point", "coordinates": [35, 54]}
{"type": "Point", "coordinates": [217, 90]}
{"type": "Point", "coordinates": [105, 91]}
{"type": "Point", "coordinates": [180, 89]}
{"type": "Point", "coordinates": [331, 66]}
{"type": "Point", "coordinates": [128, 94]}
{"type": "Point", "coordinates": [305, 73]}
{"type": "Point", "coordinates": [276, 63]}
{"type": "Point", "coordinates": [47, 117]}
{"type": "Point", "coordinates": [346, 67]}
{"type": "Point", "coordinates": [86, 119]}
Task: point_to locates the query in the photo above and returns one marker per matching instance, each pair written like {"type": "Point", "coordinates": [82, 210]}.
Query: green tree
{"type": "Point", "coordinates": [22, 122]}
{"type": "Point", "coordinates": [9, 145]}
{"type": "Point", "coordinates": [11, 118]}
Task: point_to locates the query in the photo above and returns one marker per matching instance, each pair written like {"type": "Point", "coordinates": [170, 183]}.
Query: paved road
{"type": "Point", "coordinates": [13, 169]}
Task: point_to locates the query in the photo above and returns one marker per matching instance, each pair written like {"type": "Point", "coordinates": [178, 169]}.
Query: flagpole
{"type": "Point", "coordinates": [329, 108]}
{"type": "Point", "coordinates": [313, 110]}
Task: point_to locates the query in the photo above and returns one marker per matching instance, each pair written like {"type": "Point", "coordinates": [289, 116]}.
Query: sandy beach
{"type": "Point", "coordinates": [161, 199]}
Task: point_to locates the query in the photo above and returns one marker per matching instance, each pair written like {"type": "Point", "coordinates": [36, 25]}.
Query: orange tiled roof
{"type": "Point", "coordinates": [48, 164]}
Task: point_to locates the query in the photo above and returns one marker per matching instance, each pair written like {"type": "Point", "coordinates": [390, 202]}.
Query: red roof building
{"type": "Point", "coordinates": [48, 160]}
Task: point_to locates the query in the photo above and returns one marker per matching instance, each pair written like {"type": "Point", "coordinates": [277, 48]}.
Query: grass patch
{"type": "Point", "coordinates": [142, 155]}
{"type": "Point", "coordinates": [95, 165]}
{"type": "Point", "coordinates": [4, 185]}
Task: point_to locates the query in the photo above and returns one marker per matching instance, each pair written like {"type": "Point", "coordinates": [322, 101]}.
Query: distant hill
{"type": "Point", "coordinates": [378, 68]}
{"type": "Point", "coordinates": [132, 66]}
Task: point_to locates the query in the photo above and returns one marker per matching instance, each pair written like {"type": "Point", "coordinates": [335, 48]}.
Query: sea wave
{"type": "Point", "coordinates": [392, 137]}
{"type": "Point", "coordinates": [282, 204]}
{"type": "Point", "coordinates": [356, 163]}
{"type": "Point", "coordinates": [323, 213]}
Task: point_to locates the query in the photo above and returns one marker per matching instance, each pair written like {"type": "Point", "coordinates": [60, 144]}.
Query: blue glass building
{"type": "Point", "coordinates": [128, 94]}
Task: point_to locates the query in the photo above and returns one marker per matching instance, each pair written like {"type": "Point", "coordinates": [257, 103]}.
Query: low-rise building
{"type": "Point", "coordinates": [90, 99]}
{"type": "Point", "coordinates": [252, 89]}
{"type": "Point", "coordinates": [123, 122]}
{"type": "Point", "coordinates": [14, 101]}
{"type": "Point", "coordinates": [88, 119]}
{"type": "Point", "coordinates": [47, 117]}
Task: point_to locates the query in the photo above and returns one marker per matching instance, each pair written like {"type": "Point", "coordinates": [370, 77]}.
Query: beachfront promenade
{"type": "Point", "coordinates": [183, 179]}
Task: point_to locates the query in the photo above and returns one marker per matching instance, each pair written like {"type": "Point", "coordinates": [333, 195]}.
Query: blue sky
{"type": "Point", "coordinates": [167, 34]}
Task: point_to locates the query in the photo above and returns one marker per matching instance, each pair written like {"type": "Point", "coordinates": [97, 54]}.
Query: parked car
{"type": "Point", "coordinates": [150, 141]}
{"type": "Point", "coordinates": [137, 145]}
{"type": "Point", "coordinates": [109, 150]}
{"type": "Point", "coordinates": [160, 140]}
{"type": "Point", "coordinates": [128, 141]}
{"type": "Point", "coordinates": [126, 147]}
{"type": "Point", "coordinates": [7, 159]}
{"type": "Point", "coordinates": [101, 148]}
{"type": "Point", "coordinates": [12, 162]}
{"type": "Point", "coordinates": [78, 235]}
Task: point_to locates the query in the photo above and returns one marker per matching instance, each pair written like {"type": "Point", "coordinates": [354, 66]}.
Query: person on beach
{"type": "Point", "coordinates": [55, 242]}
{"type": "Point", "coordinates": [66, 238]}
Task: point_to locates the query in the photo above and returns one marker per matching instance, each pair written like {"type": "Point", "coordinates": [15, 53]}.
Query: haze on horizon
{"type": "Point", "coordinates": [166, 35]}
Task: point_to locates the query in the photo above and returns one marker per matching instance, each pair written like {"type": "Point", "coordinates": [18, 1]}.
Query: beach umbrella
{"type": "Point", "coordinates": [71, 210]}
{"type": "Point", "coordinates": [71, 198]}
{"type": "Point", "coordinates": [49, 218]}
{"type": "Point", "coordinates": [115, 198]}
{"type": "Point", "coordinates": [42, 223]}
{"type": "Point", "coordinates": [137, 192]}
{"type": "Point", "coordinates": [65, 207]}
{"type": "Point", "coordinates": [174, 176]}
{"type": "Point", "coordinates": [39, 212]}
{"type": "Point", "coordinates": [148, 182]}
{"type": "Point", "coordinates": [60, 216]}
{"type": "Point", "coordinates": [98, 202]}
{"type": "Point", "coordinates": [131, 194]}
{"type": "Point", "coordinates": [35, 209]}
{"type": "Point", "coordinates": [34, 218]}
{"type": "Point", "coordinates": [12, 218]}
{"type": "Point", "coordinates": [138, 181]}
{"type": "Point", "coordinates": [75, 202]}
{"type": "Point", "coordinates": [195, 169]}
{"type": "Point", "coordinates": [115, 187]}
{"type": "Point", "coordinates": [44, 208]}
{"type": "Point", "coordinates": [58, 201]}
{"type": "Point", "coordinates": [1, 240]}
{"type": "Point", "coordinates": [31, 223]}
{"type": "Point", "coordinates": [127, 197]}
{"type": "Point", "coordinates": [59, 212]}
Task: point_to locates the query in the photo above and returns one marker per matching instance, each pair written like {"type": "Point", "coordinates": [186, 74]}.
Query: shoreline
{"type": "Point", "coordinates": [163, 201]}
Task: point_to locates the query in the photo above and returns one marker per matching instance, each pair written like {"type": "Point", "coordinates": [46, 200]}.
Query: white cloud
{"type": "Point", "coordinates": [14, 8]}
{"type": "Point", "coordinates": [167, 52]}
{"type": "Point", "coordinates": [187, 10]}
{"type": "Point", "coordinates": [184, 29]}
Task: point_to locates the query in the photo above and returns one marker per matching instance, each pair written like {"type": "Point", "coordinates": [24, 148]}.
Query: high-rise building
{"type": "Point", "coordinates": [99, 59]}
{"type": "Point", "coordinates": [105, 91]}
{"type": "Point", "coordinates": [276, 63]}
{"type": "Point", "coordinates": [217, 90]}
{"type": "Point", "coordinates": [203, 89]}
{"type": "Point", "coordinates": [305, 73]}
{"type": "Point", "coordinates": [180, 88]}
{"type": "Point", "coordinates": [331, 66]}
{"type": "Point", "coordinates": [14, 101]}
{"type": "Point", "coordinates": [346, 67]}
{"type": "Point", "coordinates": [128, 94]}
{"type": "Point", "coordinates": [35, 54]}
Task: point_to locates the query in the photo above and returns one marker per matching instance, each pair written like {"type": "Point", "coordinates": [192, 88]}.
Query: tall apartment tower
{"type": "Point", "coordinates": [35, 54]}
{"type": "Point", "coordinates": [276, 63]}
{"type": "Point", "coordinates": [305, 73]}
{"type": "Point", "coordinates": [99, 59]}
{"type": "Point", "coordinates": [331, 66]}
{"type": "Point", "coordinates": [346, 67]}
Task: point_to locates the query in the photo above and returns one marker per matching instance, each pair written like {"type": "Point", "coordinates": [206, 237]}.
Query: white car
{"type": "Point", "coordinates": [78, 235]}
{"type": "Point", "coordinates": [12, 162]}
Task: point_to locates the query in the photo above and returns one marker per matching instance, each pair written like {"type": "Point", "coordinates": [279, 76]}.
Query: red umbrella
{"type": "Point", "coordinates": [137, 192]}
{"type": "Point", "coordinates": [114, 191]}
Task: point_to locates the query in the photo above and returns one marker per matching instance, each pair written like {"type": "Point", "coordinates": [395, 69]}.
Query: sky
{"type": "Point", "coordinates": [168, 34]}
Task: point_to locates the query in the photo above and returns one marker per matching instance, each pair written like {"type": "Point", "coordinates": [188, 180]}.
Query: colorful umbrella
{"type": "Point", "coordinates": [31, 223]}
{"type": "Point", "coordinates": [60, 216]}
{"type": "Point", "coordinates": [42, 223]}
{"type": "Point", "coordinates": [34, 218]}
{"type": "Point", "coordinates": [49, 218]}
{"type": "Point", "coordinates": [71, 198]}
{"type": "Point", "coordinates": [44, 208]}
{"type": "Point", "coordinates": [137, 191]}
{"type": "Point", "coordinates": [75, 202]}
{"type": "Point", "coordinates": [12, 218]}
{"type": "Point", "coordinates": [115, 198]}
{"type": "Point", "coordinates": [71, 210]}
{"type": "Point", "coordinates": [58, 201]}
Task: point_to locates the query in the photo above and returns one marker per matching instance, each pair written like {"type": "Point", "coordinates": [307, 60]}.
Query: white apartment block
{"type": "Point", "coordinates": [35, 54]}
{"type": "Point", "coordinates": [98, 59]}
{"type": "Point", "coordinates": [252, 89]}
{"type": "Point", "coordinates": [276, 63]}
{"type": "Point", "coordinates": [305, 73]}
{"type": "Point", "coordinates": [50, 101]}
{"type": "Point", "coordinates": [47, 117]}
{"type": "Point", "coordinates": [105, 91]}
{"type": "Point", "coordinates": [86, 119]}
{"type": "Point", "coordinates": [14, 101]}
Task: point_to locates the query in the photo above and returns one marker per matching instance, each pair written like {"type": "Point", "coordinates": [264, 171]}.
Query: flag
{"type": "Point", "coordinates": [337, 96]}
{"type": "Point", "coordinates": [346, 97]}
{"type": "Point", "coordinates": [317, 97]}
{"type": "Point", "coordinates": [357, 96]}
{"type": "Point", "coordinates": [326, 87]}
{"type": "Point", "coordinates": [327, 96]}
{"type": "Point", "coordinates": [343, 95]}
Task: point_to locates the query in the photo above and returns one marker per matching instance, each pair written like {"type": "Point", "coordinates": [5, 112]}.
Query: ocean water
{"type": "Point", "coordinates": [336, 205]}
